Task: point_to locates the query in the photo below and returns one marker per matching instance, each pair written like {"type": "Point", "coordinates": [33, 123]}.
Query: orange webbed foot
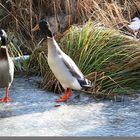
{"type": "Point", "coordinates": [6, 99]}
{"type": "Point", "coordinates": [65, 97]}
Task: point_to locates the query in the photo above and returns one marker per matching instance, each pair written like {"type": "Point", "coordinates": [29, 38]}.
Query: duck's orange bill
{"type": "Point", "coordinates": [36, 28]}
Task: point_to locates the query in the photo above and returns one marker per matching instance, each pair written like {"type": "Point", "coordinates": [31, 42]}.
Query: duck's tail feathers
{"type": "Point", "coordinates": [85, 83]}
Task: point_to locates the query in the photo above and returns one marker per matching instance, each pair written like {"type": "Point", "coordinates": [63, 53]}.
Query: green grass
{"type": "Point", "coordinates": [37, 64]}
{"type": "Point", "coordinates": [16, 52]}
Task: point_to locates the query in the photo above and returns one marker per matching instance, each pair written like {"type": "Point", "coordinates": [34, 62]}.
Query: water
{"type": "Point", "coordinates": [33, 113]}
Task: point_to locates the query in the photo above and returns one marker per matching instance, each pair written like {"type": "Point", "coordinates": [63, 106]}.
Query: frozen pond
{"type": "Point", "coordinates": [33, 114]}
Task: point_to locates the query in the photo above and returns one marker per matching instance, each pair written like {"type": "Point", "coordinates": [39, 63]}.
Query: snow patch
{"type": "Point", "coordinates": [135, 24]}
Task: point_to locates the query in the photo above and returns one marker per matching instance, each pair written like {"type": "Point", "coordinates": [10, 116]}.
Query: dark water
{"type": "Point", "coordinates": [33, 114]}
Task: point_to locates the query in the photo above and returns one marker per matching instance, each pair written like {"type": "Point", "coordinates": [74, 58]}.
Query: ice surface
{"type": "Point", "coordinates": [33, 114]}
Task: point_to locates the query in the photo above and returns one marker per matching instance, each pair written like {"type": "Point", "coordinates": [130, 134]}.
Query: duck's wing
{"type": "Point", "coordinates": [75, 72]}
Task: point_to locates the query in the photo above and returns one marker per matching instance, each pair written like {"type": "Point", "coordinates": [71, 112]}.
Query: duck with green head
{"type": "Point", "coordinates": [6, 66]}
{"type": "Point", "coordinates": [63, 67]}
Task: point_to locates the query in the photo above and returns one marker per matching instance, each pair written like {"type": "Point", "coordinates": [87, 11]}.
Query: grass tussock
{"type": "Point", "coordinates": [37, 64]}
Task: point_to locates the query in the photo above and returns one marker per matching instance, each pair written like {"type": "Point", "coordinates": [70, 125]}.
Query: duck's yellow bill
{"type": "Point", "coordinates": [36, 28]}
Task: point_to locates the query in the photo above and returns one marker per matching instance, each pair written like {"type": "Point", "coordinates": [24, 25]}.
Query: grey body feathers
{"type": "Point", "coordinates": [6, 68]}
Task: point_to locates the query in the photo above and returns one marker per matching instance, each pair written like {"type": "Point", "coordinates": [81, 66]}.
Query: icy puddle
{"type": "Point", "coordinates": [33, 114]}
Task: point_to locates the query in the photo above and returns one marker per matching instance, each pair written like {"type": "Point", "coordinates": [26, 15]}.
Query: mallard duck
{"type": "Point", "coordinates": [6, 66]}
{"type": "Point", "coordinates": [63, 67]}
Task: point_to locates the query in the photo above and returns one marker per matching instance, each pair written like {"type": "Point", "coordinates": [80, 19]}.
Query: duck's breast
{"type": "Point", "coordinates": [6, 72]}
{"type": "Point", "coordinates": [61, 72]}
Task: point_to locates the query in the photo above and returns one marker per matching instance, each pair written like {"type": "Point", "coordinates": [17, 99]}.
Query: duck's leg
{"type": "Point", "coordinates": [67, 93]}
{"type": "Point", "coordinates": [66, 96]}
{"type": "Point", "coordinates": [6, 98]}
